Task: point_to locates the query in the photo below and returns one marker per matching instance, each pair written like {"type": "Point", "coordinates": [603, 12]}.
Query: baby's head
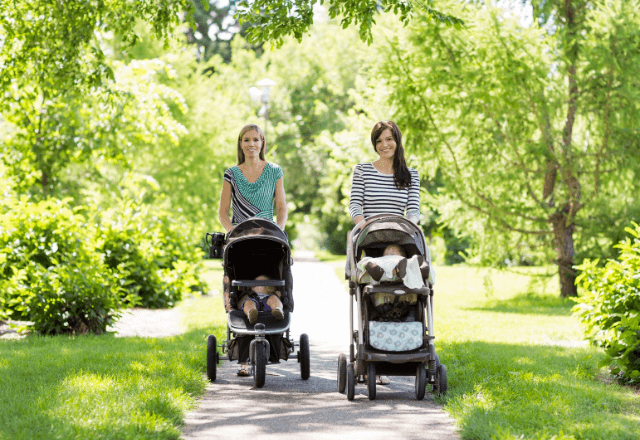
{"type": "Point", "coordinates": [265, 290]}
{"type": "Point", "coordinates": [394, 249]}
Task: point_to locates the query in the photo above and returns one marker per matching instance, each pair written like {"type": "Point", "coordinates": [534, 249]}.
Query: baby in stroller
{"type": "Point", "coordinates": [266, 298]}
{"type": "Point", "coordinates": [391, 291]}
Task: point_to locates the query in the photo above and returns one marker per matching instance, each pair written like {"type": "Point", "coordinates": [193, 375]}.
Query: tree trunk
{"type": "Point", "coordinates": [563, 236]}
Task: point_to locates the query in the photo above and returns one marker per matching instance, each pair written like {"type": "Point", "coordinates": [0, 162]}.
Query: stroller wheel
{"type": "Point", "coordinates": [442, 380]}
{"type": "Point", "coordinates": [371, 381]}
{"type": "Point", "coordinates": [421, 381]}
{"type": "Point", "coordinates": [342, 372]}
{"type": "Point", "coordinates": [212, 357]}
{"type": "Point", "coordinates": [351, 382]}
{"type": "Point", "coordinates": [304, 357]}
{"type": "Point", "coordinates": [260, 361]}
{"type": "Point", "coordinates": [434, 386]}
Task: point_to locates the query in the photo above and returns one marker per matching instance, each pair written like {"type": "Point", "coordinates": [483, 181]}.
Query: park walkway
{"type": "Point", "coordinates": [290, 408]}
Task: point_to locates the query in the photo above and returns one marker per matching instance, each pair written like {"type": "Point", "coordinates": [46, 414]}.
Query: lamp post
{"type": "Point", "coordinates": [263, 95]}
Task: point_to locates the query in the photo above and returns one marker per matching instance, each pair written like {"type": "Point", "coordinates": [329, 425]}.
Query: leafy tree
{"type": "Point", "coordinates": [215, 27]}
{"type": "Point", "coordinates": [52, 60]}
{"type": "Point", "coordinates": [272, 20]}
{"type": "Point", "coordinates": [534, 128]}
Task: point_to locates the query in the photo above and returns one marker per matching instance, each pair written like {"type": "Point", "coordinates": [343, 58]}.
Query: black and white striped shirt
{"type": "Point", "coordinates": [375, 193]}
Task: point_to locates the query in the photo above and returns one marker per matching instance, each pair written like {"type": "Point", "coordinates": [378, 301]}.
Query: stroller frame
{"type": "Point", "coordinates": [245, 241]}
{"type": "Point", "coordinates": [366, 362]}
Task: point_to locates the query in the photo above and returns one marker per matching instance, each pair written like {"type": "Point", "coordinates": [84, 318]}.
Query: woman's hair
{"type": "Point", "coordinates": [401, 174]}
{"type": "Point", "coordinates": [245, 129]}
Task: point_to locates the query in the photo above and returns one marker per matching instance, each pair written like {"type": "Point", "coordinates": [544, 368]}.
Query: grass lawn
{"type": "Point", "coordinates": [102, 387]}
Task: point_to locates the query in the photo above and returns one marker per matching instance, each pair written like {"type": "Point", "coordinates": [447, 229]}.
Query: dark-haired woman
{"type": "Point", "coordinates": [386, 185]}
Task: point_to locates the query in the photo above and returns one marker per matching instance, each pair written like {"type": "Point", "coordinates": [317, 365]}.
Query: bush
{"type": "Point", "coordinates": [49, 271]}
{"type": "Point", "coordinates": [610, 307]}
{"type": "Point", "coordinates": [74, 299]}
{"type": "Point", "coordinates": [153, 251]}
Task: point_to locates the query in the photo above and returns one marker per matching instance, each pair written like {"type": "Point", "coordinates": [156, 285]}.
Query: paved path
{"type": "Point", "coordinates": [290, 408]}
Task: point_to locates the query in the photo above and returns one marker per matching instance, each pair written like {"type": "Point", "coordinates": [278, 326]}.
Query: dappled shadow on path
{"type": "Point", "coordinates": [290, 407]}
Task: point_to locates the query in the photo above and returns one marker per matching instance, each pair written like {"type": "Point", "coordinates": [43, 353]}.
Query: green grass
{"type": "Point", "coordinates": [102, 387]}
{"type": "Point", "coordinates": [517, 365]}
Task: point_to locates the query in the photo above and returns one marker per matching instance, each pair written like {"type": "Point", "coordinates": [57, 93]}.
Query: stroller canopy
{"type": "Point", "coordinates": [259, 228]}
{"type": "Point", "coordinates": [382, 230]}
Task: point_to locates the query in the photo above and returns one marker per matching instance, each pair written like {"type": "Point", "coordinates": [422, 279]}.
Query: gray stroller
{"type": "Point", "coordinates": [256, 246]}
{"type": "Point", "coordinates": [393, 333]}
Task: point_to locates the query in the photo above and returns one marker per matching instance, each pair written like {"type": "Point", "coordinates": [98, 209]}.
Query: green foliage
{"type": "Point", "coordinates": [274, 20]}
{"type": "Point", "coordinates": [610, 306]}
{"type": "Point", "coordinates": [524, 173]}
{"type": "Point", "coordinates": [152, 252]}
{"type": "Point", "coordinates": [49, 271]}
{"type": "Point", "coordinates": [51, 47]}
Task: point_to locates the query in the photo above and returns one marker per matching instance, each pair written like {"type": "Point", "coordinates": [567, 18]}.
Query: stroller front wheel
{"type": "Point", "coordinates": [260, 360]}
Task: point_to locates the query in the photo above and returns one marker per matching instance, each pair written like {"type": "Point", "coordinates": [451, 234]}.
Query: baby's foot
{"type": "Point", "coordinates": [424, 267]}
{"type": "Point", "coordinates": [401, 268]}
{"type": "Point", "coordinates": [253, 316]}
{"type": "Point", "coordinates": [277, 313]}
{"type": "Point", "coordinates": [374, 270]}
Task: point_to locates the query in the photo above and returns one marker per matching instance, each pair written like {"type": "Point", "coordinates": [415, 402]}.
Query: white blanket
{"type": "Point", "coordinates": [412, 279]}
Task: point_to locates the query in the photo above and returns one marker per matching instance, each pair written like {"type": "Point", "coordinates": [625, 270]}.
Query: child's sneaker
{"type": "Point", "coordinates": [253, 316]}
{"type": "Point", "coordinates": [278, 314]}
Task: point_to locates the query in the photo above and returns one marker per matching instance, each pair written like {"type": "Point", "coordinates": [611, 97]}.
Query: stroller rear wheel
{"type": "Point", "coordinates": [260, 360]}
{"type": "Point", "coordinates": [342, 372]}
{"type": "Point", "coordinates": [442, 380]}
{"type": "Point", "coordinates": [421, 381]}
{"type": "Point", "coordinates": [351, 382]}
{"type": "Point", "coordinates": [371, 381]}
{"type": "Point", "coordinates": [212, 357]}
{"type": "Point", "coordinates": [303, 356]}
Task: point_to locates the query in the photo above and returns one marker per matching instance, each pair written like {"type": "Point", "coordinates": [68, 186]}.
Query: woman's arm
{"type": "Point", "coordinates": [281, 203]}
{"type": "Point", "coordinates": [413, 201]}
{"type": "Point", "coordinates": [357, 196]}
{"type": "Point", "coordinates": [225, 204]}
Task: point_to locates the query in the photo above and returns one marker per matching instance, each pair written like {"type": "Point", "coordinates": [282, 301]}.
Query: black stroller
{"type": "Point", "coordinates": [256, 247]}
{"type": "Point", "coordinates": [399, 341]}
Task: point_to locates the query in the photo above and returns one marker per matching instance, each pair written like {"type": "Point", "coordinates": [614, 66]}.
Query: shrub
{"type": "Point", "coordinates": [74, 298]}
{"type": "Point", "coordinates": [49, 271]}
{"type": "Point", "coordinates": [153, 251]}
{"type": "Point", "coordinates": [610, 307]}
